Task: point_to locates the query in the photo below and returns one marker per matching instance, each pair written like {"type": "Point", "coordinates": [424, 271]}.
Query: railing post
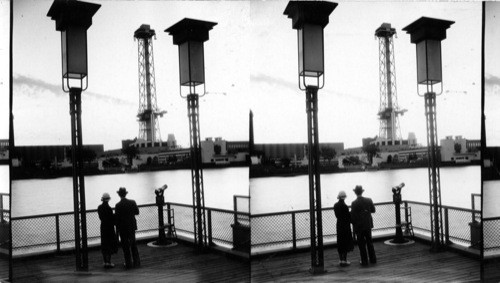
{"type": "Point", "coordinates": [446, 226]}
{"type": "Point", "coordinates": [406, 213]}
{"type": "Point", "coordinates": [1, 208]}
{"type": "Point", "coordinates": [209, 216]}
{"type": "Point", "coordinates": [235, 205]}
{"type": "Point", "coordinates": [294, 232]}
{"type": "Point", "coordinates": [58, 235]}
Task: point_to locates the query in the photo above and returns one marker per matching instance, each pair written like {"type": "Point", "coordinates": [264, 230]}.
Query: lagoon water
{"type": "Point", "coordinates": [271, 194]}
{"type": "Point", "coordinates": [42, 196]}
{"type": "Point", "coordinates": [276, 194]}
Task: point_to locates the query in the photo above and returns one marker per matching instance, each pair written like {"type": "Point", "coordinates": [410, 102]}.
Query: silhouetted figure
{"type": "Point", "coordinates": [344, 234]}
{"type": "Point", "coordinates": [109, 242]}
{"type": "Point", "coordinates": [125, 212]}
{"type": "Point", "coordinates": [362, 222]}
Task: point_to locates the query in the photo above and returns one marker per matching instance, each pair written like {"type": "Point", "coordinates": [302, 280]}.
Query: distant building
{"type": "Point", "coordinates": [220, 152]}
{"type": "Point", "coordinates": [292, 151]}
{"type": "Point", "coordinates": [386, 144]}
{"type": "Point", "coordinates": [4, 149]}
{"type": "Point", "coordinates": [459, 150]}
{"type": "Point", "coordinates": [56, 155]}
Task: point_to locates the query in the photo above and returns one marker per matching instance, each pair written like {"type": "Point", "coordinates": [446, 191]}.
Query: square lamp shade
{"type": "Point", "coordinates": [427, 34]}
{"type": "Point", "coordinates": [189, 35]}
{"type": "Point", "coordinates": [309, 18]}
{"type": "Point", "coordinates": [73, 18]}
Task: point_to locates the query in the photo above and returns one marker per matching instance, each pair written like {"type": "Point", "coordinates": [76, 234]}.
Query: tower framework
{"type": "Point", "coordinates": [389, 109]}
{"type": "Point", "coordinates": [148, 113]}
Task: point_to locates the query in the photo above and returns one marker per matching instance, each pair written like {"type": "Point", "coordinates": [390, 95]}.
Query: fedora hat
{"type": "Point", "coordinates": [122, 191]}
{"type": "Point", "coordinates": [358, 190]}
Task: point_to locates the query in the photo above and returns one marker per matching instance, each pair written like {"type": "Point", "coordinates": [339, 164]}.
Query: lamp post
{"type": "Point", "coordinates": [427, 34]}
{"type": "Point", "coordinates": [309, 19]}
{"type": "Point", "coordinates": [73, 18]}
{"type": "Point", "coordinates": [190, 35]}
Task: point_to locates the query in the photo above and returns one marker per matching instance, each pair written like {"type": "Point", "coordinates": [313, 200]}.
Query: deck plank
{"type": "Point", "coordinates": [409, 263]}
{"type": "Point", "coordinates": [175, 264]}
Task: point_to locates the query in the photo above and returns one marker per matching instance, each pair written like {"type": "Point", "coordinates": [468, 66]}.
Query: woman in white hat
{"type": "Point", "coordinates": [109, 243]}
{"type": "Point", "coordinates": [344, 235]}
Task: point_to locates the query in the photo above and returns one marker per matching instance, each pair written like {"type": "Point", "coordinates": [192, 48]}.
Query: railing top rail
{"type": "Point", "coordinates": [444, 206]}
{"type": "Point", "coordinates": [241, 196]}
{"type": "Point", "coordinates": [491, 218]}
{"type": "Point", "coordinates": [210, 208]}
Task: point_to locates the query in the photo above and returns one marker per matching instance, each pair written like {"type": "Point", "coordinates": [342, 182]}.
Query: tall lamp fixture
{"type": "Point", "coordinates": [190, 35]}
{"type": "Point", "coordinates": [427, 34]}
{"type": "Point", "coordinates": [309, 18]}
{"type": "Point", "coordinates": [73, 18]}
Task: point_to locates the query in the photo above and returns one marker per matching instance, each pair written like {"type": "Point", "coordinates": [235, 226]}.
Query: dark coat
{"type": "Point", "coordinates": [344, 234]}
{"type": "Point", "coordinates": [361, 214]}
{"type": "Point", "coordinates": [125, 212]}
{"type": "Point", "coordinates": [109, 243]}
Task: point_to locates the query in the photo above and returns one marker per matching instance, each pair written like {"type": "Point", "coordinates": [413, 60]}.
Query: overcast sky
{"type": "Point", "coordinates": [251, 63]}
{"type": "Point", "coordinates": [492, 74]}
{"type": "Point", "coordinates": [4, 69]}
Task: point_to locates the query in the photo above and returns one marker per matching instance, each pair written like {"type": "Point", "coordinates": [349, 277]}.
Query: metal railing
{"type": "Point", "coordinates": [54, 232]}
{"type": "Point", "coordinates": [4, 207]}
{"type": "Point", "coordinates": [290, 230]}
{"type": "Point", "coordinates": [4, 220]}
{"type": "Point", "coordinates": [491, 236]}
{"type": "Point", "coordinates": [269, 232]}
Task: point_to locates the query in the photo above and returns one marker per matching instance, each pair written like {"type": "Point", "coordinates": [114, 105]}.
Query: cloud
{"type": "Point", "coordinates": [261, 78]}
{"type": "Point", "coordinates": [38, 86]}
{"type": "Point", "coordinates": [491, 80]}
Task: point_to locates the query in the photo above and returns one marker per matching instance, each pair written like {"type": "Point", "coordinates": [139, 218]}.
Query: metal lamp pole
{"type": "Point", "coordinates": [427, 34]}
{"type": "Point", "coordinates": [190, 35]}
{"type": "Point", "coordinates": [73, 18]}
{"type": "Point", "coordinates": [309, 19]}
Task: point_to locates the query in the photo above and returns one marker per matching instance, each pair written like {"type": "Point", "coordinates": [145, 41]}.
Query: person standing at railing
{"type": "Point", "coordinates": [344, 234]}
{"type": "Point", "coordinates": [362, 222]}
{"type": "Point", "coordinates": [125, 212]}
{"type": "Point", "coordinates": [109, 243]}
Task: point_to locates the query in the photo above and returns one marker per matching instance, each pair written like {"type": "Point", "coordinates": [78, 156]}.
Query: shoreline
{"type": "Point", "coordinates": [272, 171]}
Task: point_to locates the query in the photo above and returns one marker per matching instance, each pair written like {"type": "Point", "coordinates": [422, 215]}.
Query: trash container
{"type": "Point", "coordinates": [241, 237]}
{"type": "Point", "coordinates": [475, 234]}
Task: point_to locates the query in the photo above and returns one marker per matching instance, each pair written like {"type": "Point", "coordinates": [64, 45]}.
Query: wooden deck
{"type": "Point", "coordinates": [409, 263]}
{"type": "Point", "coordinates": [174, 264]}
{"type": "Point", "coordinates": [491, 270]}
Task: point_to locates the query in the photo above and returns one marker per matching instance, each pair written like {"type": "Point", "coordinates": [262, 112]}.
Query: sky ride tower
{"type": "Point", "coordinates": [389, 109]}
{"type": "Point", "coordinates": [148, 114]}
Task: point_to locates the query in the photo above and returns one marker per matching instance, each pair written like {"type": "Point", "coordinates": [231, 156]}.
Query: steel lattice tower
{"type": "Point", "coordinates": [148, 113]}
{"type": "Point", "coordinates": [389, 109]}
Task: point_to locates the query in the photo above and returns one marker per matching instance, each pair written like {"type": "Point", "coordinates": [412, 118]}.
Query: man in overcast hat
{"type": "Point", "coordinates": [362, 222]}
{"type": "Point", "coordinates": [126, 224]}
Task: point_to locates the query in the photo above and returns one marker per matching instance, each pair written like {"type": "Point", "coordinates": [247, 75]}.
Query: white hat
{"type": "Point", "coordinates": [342, 195]}
{"type": "Point", "coordinates": [105, 196]}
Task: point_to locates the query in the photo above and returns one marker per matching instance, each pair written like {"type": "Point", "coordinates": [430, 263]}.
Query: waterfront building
{"type": "Point", "coordinates": [4, 149]}
{"type": "Point", "coordinates": [52, 155]}
{"type": "Point", "coordinates": [459, 150]}
{"type": "Point", "coordinates": [291, 151]}
{"type": "Point", "coordinates": [221, 152]}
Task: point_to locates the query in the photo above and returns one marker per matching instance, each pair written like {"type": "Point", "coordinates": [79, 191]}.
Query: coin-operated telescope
{"type": "Point", "coordinates": [160, 202]}
{"type": "Point", "coordinates": [396, 198]}
{"type": "Point", "coordinates": [160, 198]}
